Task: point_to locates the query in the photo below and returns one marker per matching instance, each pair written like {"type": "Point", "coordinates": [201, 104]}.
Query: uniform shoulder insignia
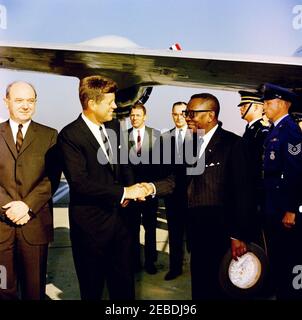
{"type": "Point", "coordinates": [294, 149]}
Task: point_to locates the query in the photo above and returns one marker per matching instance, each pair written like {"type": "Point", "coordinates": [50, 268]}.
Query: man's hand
{"type": "Point", "coordinates": [17, 212]}
{"type": "Point", "coordinates": [148, 189]}
{"type": "Point", "coordinates": [238, 248]}
{"type": "Point", "coordinates": [136, 191]}
{"type": "Point", "coordinates": [125, 203]}
{"type": "Point", "coordinates": [289, 219]}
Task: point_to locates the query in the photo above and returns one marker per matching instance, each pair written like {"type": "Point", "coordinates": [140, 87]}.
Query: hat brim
{"type": "Point", "coordinates": [246, 277]}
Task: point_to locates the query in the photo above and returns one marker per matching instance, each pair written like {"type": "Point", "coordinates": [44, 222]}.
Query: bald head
{"type": "Point", "coordinates": [20, 101]}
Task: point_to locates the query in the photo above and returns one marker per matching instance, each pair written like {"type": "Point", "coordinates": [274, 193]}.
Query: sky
{"type": "Point", "coordinates": [266, 27]}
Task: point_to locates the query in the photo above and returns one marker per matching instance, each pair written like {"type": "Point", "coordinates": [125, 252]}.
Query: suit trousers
{"type": "Point", "coordinates": [26, 266]}
{"type": "Point", "coordinates": [108, 261]}
{"type": "Point", "coordinates": [209, 242]}
{"type": "Point", "coordinates": [177, 224]}
{"type": "Point", "coordinates": [145, 213]}
{"type": "Point", "coordinates": [284, 254]}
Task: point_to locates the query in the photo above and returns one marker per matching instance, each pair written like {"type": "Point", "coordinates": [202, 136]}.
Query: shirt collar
{"type": "Point", "coordinates": [253, 121]}
{"type": "Point", "coordinates": [90, 124]}
{"type": "Point", "coordinates": [14, 125]}
{"type": "Point", "coordinates": [279, 120]}
{"type": "Point", "coordinates": [207, 137]}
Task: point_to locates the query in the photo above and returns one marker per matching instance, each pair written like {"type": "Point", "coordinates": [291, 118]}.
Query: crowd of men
{"type": "Point", "coordinates": [221, 191]}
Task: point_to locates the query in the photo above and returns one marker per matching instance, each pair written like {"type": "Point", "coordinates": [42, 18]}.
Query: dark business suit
{"type": "Point", "coordinates": [176, 203]}
{"type": "Point", "coordinates": [218, 209]}
{"type": "Point", "coordinates": [145, 212]}
{"type": "Point", "coordinates": [26, 176]}
{"type": "Point", "coordinates": [100, 239]}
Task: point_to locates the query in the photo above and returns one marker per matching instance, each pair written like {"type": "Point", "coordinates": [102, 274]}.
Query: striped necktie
{"type": "Point", "coordinates": [19, 139]}
{"type": "Point", "coordinates": [106, 145]}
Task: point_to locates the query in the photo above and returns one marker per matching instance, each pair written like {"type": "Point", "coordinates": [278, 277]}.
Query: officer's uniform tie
{"type": "Point", "coordinates": [19, 139]}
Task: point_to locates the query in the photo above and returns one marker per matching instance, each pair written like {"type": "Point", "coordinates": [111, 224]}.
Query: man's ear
{"type": "Point", "coordinates": [5, 102]}
{"type": "Point", "coordinates": [91, 104]}
{"type": "Point", "coordinates": [211, 116]}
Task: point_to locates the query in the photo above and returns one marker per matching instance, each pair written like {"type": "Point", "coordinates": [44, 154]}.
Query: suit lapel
{"type": "Point", "coordinates": [131, 141]}
{"type": "Point", "coordinates": [87, 133]}
{"type": "Point", "coordinates": [148, 140]}
{"type": "Point", "coordinates": [8, 137]}
{"type": "Point", "coordinates": [91, 138]}
{"type": "Point", "coordinates": [212, 145]}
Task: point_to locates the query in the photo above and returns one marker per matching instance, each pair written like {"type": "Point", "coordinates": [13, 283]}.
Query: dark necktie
{"type": "Point", "coordinates": [139, 144]}
{"type": "Point", "coordinates": [19, 139]}
{"type": "Point", "coordinates": [106, 144]}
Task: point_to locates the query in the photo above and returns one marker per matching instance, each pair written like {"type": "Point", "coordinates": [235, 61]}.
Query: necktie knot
{"type": "Point", "coordinates": [19, 138]}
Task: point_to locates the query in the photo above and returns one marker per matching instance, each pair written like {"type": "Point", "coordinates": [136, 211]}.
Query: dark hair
{"type": "Point", "coordinates": [207, 97]}
{"type": "Point", "coordinates": [139, 106]}
{"type": "Point", "coordinates": [8, 88]}
{"type": "Point", "coordinates": [178, 103]}
{"type": "Point", "coordinates": [94, 88]}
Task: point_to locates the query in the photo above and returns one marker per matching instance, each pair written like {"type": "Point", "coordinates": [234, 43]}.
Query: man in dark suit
{"type": "Point", "coordinates": [100, 240]}
{"type": "Point", "coordinates": [26, 225]}
{"type": "Point", "coordinates": [176, 204]}
{"type": "Point", "coordinates": [218, 195]}
{"type": "Point", "coordinates": [282, 182]}
{"type": "Point", "coordinates": [143, 143]}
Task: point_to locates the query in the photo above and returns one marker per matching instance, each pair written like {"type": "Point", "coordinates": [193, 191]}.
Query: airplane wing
{"type": "Point", "coordinates": [138, 68]}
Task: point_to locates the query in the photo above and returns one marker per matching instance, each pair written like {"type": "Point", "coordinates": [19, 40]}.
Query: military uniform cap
{"type": "Point", "coordinates": [272, 91]}
{"type": "Point", "coordinates": [249, 97]}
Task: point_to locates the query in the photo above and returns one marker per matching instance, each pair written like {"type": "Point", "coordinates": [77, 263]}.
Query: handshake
{"type": "Point", "coordinates": [139, 191]}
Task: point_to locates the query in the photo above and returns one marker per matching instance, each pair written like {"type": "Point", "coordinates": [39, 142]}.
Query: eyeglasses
{"type": "Point", "coordinates": [191, 113]}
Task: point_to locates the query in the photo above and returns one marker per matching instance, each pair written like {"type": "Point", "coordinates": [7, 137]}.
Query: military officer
{"type": "Point", "coordinates": [251, 109]}
{"type": "Point", "coordinates": [282, 178]}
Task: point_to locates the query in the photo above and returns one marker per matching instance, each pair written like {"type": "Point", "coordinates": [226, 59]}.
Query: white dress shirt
{"type": "Point", "coordinates": [135, 135]}
{"type": "Point", "coordinates": [95, 130]}
{"type": "Point", "coordinates": [14, 126]}
{"type": "Point", "coordinates": [206, 139]}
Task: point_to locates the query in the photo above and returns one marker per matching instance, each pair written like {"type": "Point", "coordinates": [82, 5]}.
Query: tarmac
{"type": "Point", "coordinates": [62, 283]}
